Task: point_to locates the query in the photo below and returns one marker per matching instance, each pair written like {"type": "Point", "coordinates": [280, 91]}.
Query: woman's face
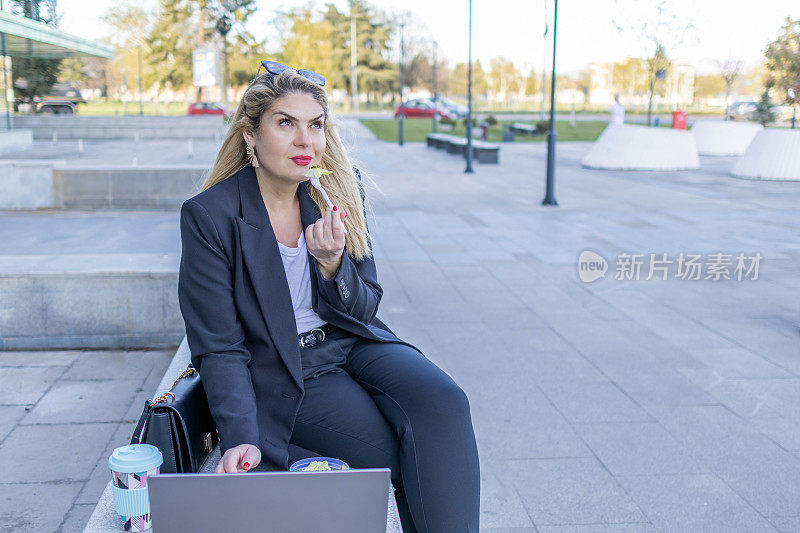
{"type": "Point", "coordinates": [292, 128]}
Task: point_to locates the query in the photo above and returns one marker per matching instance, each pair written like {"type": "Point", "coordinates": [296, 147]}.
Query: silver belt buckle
{"type": "Point", "coordinates": [312, 334]}
{"type": "Point", "coordinates": [321, 331]}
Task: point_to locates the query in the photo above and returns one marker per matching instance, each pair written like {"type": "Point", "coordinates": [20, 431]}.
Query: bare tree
{"type": "Point", "coordinates": [729, 70]}
{"type": "Point", "coordinates": [658, 30]}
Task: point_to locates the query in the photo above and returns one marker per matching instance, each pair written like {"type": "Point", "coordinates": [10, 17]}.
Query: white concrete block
{"type": "Point", "coordinates": [774, 154]}
{"type": "Point", "coordinates": [629, 147]}
{"type": "Point", "coordinates": [723, 137]}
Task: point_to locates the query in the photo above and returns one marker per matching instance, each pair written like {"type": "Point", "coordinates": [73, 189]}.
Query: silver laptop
{"type": "Point", "coordinates": [350, 501]}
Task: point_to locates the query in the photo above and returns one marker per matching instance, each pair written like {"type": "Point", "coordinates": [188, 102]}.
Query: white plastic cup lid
{"type": "Point", "coordinates": [135, 458]}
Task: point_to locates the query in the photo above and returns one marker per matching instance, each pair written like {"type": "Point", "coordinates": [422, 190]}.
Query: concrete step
{"type": "Point", "coordinates": [84, 281]}
{"type": "Point", "coordinates": [41, 184]}
{"type": "Point", "coordinates": [163, 187]}
{"type": "Point", "coordinates": [103, 175]}
{"type": "Point", "coordinates": [128, 127]}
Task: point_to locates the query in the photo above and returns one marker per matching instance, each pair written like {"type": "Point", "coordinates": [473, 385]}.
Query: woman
{"type": "Point", "coordinates": [280, 304]}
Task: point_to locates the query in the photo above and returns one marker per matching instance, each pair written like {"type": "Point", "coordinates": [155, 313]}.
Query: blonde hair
{"type": "Point", "coordinates": [344, 188]}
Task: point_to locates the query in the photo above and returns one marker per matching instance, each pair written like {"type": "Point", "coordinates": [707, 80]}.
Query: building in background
{"type": "Point", "coordinates": [23, 37]}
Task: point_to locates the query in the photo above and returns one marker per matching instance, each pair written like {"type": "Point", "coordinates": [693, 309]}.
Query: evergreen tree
{"type": "Point", "coordinates": [170, 45]}
{"type": "Point", "coordinates": [375, 73]}
{"type": "Point", "coordinates": [309, 44]}
{"type": "Point", "coordinates": [764, 114]}
{"type": "Point", "coordinates": [34, 76]}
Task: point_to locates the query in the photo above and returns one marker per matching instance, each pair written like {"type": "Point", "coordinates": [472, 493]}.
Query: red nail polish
{"type": "Point", "coordinates": [334, 208]}
{"type": "Point", "coordinates": [246, 466]}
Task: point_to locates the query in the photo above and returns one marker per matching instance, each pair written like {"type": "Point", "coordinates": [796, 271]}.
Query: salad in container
{"type": "Point", "coordinates": [318, 464]}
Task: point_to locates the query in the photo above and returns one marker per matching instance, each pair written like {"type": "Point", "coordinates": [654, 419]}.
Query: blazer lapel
{"type": "Point", "coordinates": [263, 261]}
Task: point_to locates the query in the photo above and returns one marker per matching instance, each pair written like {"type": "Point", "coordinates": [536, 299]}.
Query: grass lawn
{"type": "Point", "coordinates": [415, 130]}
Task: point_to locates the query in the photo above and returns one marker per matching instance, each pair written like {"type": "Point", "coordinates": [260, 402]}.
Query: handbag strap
{"type": "Point", "coordinates": [138, 433]}
{"type": "Point", "coordinates": [141, 426]}
{"type": "Point", "coordinates": [190, 371]}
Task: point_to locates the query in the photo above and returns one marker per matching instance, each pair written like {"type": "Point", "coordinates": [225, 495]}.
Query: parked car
{"type": "Point", "coordinates": [208, 108]}
{"type": "Point", "coordinates": [63, 99]}
{"type": "Point", "coordinates": [745, 111]}
{"type": "Point", "coordinates": [742, 110]}
{"type": "Point", "coordinates": [422, 108]}
{"type": "Point", "coordinates": [458, 109]}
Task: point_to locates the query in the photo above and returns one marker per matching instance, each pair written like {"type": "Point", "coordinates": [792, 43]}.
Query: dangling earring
{"type": "Point", "coordinates": [251, 155]}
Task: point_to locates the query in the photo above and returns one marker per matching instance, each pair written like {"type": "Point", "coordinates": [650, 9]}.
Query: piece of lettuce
{"type": "Point", "coordinates": [316, 172]}
{"type": "Point", "coordinates": [317, 465]}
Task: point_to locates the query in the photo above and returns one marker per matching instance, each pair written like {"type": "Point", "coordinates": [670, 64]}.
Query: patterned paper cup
{"type": "Point", "coordinates": [130, 466]}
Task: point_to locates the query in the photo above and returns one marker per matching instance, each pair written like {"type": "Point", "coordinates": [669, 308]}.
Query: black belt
{"type": "Point", "coordinates": [315, 336]}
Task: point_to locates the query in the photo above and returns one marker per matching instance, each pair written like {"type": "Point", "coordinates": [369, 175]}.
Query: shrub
{"type": "Point", "coordinates": [764, 113]}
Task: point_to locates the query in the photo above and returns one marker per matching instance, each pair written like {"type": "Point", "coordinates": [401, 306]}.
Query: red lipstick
{"type": "Point", "coordinates": [301, 160]}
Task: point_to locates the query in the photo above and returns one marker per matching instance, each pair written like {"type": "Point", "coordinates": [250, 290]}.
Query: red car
{"type": "Point", "coordinates": [208, 108]}
{"type": "Point", "coordinates": [422, 108]}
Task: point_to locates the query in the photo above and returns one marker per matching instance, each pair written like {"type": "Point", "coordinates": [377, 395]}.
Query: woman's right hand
{"type": "Point", "coordinates": [240, 458]}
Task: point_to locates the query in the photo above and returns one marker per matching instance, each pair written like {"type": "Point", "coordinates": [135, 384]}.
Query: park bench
{"type": "Point", "coordinates": [104, 519]}
{"type": "Point", "coordinates": [457, 145]}
{"type": "Point", "coordinates": [483, 151]}
{"type": "Point", "coordinates": [437, 140]}
{"type": "Point", "coordinates": [524, 129]}
{"type": "Point", "coordinates": [486, 152]}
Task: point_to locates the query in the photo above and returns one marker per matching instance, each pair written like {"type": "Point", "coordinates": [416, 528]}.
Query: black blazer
{"type": "Point", "coordinates": [240, 324]}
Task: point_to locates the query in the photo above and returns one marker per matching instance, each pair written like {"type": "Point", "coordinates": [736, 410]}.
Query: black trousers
{"type": "Point", "coordinates": [384, 405]}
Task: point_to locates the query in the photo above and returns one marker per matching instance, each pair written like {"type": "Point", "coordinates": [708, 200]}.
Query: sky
{"type": "Point", "coordinates": [723, 29]}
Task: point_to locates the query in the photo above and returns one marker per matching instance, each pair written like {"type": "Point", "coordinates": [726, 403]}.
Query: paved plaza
{"type": "Point", "coordinates": [614, 405]}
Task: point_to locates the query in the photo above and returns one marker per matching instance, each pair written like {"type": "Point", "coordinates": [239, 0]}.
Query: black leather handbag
{"type": "Point", "coordinates": [179, 424]}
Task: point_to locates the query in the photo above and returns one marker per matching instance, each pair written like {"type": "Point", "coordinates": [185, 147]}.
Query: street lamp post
{"type": "Point", "coordinates": [793, 96]}
{"type": "Point", "coordinates": [544, 64]}
{"type": "Point", "coordinates": [353, 62]}
{"type": "Point", "coordinates": [402, 82]}
{"type": "Point", "coordinates": [141, 110]}
{"type": "Point", "coordinates": [224, 26]}
{"type": "Point", "coordinates": [469, 170]}
{"type": "Point", "coordinates": [549, 197]}
{"type": "Point", "coordinates": [6, 78]}
{"type": "Point", "coordinates": [435, 93]}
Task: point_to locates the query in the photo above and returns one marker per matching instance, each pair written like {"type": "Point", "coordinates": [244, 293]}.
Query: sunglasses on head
{"type": "Point", "coordinates": [273, 67]}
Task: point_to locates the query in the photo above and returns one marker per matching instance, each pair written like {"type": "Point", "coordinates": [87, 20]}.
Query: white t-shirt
{"type": "Point", "coordinates": [295, 263]}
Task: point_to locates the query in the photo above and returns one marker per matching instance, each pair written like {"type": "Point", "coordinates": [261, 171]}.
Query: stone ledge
{"type": "Point", "coordinates": [104, 519]}
{"type": "Point", "coordinates": [76, 301]}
